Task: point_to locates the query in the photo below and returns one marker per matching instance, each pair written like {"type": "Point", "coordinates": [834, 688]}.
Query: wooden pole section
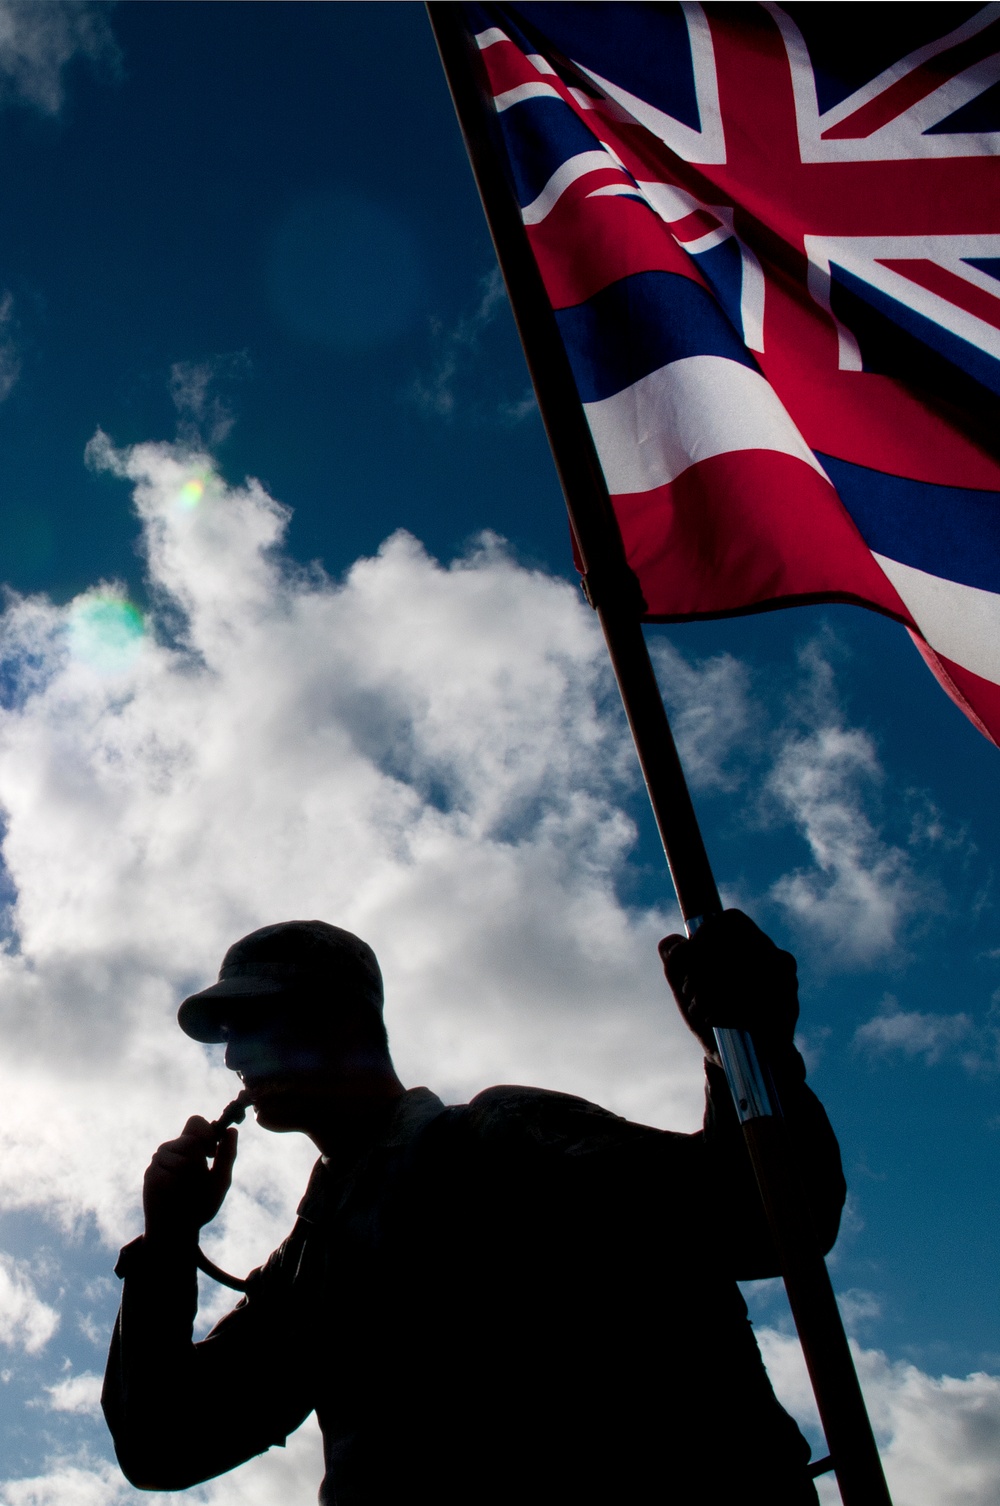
{"type": "Point", "coordinates": [614, 592]}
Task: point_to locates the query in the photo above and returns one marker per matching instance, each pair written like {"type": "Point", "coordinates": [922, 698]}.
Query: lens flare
{"type": "Point", "coordinates": [106, 631]}
{"type": "Point", "coordinates": [191, 493]}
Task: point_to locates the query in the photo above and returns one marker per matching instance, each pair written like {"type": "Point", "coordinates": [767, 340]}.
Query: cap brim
{"type": "Point", "coordinates": [200, 1015]}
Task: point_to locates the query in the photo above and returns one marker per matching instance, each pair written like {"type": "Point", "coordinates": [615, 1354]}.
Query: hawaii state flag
{"type": "Point", "coordinates": [771, 238]}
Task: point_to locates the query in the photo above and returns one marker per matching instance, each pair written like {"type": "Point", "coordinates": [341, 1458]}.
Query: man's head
{"type": "Point", "coordinates": [299, 1008]}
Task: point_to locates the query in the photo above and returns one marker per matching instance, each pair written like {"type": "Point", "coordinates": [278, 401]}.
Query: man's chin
{"type": "Point", "coordinates": [278, 1107]}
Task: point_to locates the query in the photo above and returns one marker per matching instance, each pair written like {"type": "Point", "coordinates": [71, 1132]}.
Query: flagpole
{"type": "Point", "coordinates": [614, 592]}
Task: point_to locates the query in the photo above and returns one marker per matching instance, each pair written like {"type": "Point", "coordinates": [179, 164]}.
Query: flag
{"type": "Point", "coordinates": [770, 236]}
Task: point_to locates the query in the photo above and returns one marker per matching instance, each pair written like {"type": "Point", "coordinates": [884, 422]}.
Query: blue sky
{"type": "Point", "coordinates": [243, 241]}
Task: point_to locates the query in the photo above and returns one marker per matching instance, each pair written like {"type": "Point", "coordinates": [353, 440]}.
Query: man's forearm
{"type": "Point", "coordinates": [150, 1377]}
{"type": "Point", "coordinates": [181, 1412]}
{"type": "Point", "coordinates": [739, 1213]}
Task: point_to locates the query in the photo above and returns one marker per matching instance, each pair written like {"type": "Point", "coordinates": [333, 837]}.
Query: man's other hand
{"type": "Point", "coordinates": [181, 1191]}
{"type": "Point", "coordinates": [730, 975]}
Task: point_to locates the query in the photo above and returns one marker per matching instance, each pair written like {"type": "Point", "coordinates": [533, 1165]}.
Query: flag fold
{"type": "Point", "coordinates": [771, 239]}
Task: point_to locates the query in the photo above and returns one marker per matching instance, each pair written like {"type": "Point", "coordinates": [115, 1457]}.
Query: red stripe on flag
{"type": "Point", "coordinates": [507, 67]}
{"type": "Point", "coordinates": [747, 529]}
{"type": "Point", "coordinates": [693, 226]}
{"type": "Point", "coordinates": [622, 236]}
{"type": "Point", "coordinates": [948, 285]}
{"type": "Point", "coordinates": [978, 698]}
{"type": "Point", "coordinates": [861, 416]}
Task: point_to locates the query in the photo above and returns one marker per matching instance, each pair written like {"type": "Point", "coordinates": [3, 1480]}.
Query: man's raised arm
{"type": "Point", "coordinates": [729, 974]}
{"type": "Point", "coordinates": [181, 1412]}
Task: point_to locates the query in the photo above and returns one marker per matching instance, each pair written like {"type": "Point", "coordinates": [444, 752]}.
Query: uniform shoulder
{"type": "Point", "coordinates": [548, 1119]}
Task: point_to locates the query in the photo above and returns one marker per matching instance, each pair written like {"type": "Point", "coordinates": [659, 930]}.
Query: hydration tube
{"type": "Point", "coordinates": [233, 1113]}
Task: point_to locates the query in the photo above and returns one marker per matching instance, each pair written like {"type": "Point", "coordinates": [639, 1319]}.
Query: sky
{"type": "Point", "coordinates": [291, 629]}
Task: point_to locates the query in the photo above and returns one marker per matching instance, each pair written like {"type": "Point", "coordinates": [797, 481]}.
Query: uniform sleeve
{"type": "Point", "coordinates": [738, 1225]}
{"type": "Point", "coordinates": [181, 1412]}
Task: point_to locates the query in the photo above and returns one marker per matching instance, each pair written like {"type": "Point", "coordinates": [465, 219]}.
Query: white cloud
{"type": "Point", "coordinates": [38, 41]}
{"type": "Point", "coordinates": [861, 888]}
{"type": "Point", "coordinates": [290, 1475]}
{"type": "Point", "coordinates": [26, 1322]}
{"type": "Point", "coordinates": [800, 764]}
{"type": "Point", "coordinates": [69, 1483]}
{"type": "Point", "coordinates": [205, 418]}
{"type": "Point", "coordinates": [939, 1437]}
{"type": "Point", "coordinates": [859, 1307]}
{"type": "Point", "coordinates": [95, 1333]}
{"type": "Point", "coordinates": [960, 1037]}
{"type": "Point", "coordinates": [711, 714]}
{"type": "Point", "coordinates": [80, 1394]}
{"type": "Point", "coordinates": [931, 1036]}
{"type": "Point", "coordinates": [421, 753]}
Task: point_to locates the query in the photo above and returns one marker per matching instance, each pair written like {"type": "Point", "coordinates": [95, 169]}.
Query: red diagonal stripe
{"type": "Point", "coordinates": [937, 279]}
{"type": "Point", "coordinates": [694, 225]}
{"type": "Point", "coordinates": [916, 85]}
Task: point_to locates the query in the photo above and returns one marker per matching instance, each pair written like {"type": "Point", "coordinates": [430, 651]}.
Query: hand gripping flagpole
{"type": "Point", "coordinates": [614, 592]}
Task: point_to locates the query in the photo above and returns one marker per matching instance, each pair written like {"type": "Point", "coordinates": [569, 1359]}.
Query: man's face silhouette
{"type": "Point", "coordinates": [302, 1063]}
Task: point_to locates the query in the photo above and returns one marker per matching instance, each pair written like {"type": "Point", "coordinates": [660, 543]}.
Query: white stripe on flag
{"type": "Point", "coordinates": [960, 622]}
{"type": "Point", "coordinates": [566, 173]}
{"type": "Point", "coordinates": [490, 38]}
{"type": "Point", "coordinates": [647, 434]}
{"type": "Point", "coordinates": [522, 92]}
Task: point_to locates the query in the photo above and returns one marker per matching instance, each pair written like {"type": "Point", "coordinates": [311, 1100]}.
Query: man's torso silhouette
{"type": "Point", "coordinates": [523, 1299]}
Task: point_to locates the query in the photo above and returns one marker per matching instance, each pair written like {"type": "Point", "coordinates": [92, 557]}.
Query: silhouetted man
{"type": "Point", "coordinates": [520, 1300]}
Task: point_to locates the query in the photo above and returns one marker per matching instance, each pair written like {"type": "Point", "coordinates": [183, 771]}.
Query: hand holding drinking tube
{"type": "Point", "coordinates": [234, 1113]}
{"type": "Point", "coordinates": [188, 1178]}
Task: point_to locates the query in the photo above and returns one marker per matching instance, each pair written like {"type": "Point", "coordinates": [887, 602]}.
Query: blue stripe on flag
{"type": "Point", "coordinates": [541, 134]}
{"type": "Point", "coordinates": [979, 114]}
{"type": "Point", "coordinates": [988, 264]}
{"type": "Point", "coordinates": [479, 17]}
{"type": "Point", "coordinates": [722, 269]}
{"type": "Point", "coordinates": [949, 531]}
{"type": "Point", "coordinates": [643, 48]}
{"type": "Point", "coordinates": [968, 358]}
{"type": "Point", "coordinates": [844, 57]}
{"type": "Point", "coordinates": [639, 324]}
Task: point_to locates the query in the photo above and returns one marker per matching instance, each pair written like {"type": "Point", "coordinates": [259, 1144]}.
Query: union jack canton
{"type": "Point", "coordinates": [771, 237]}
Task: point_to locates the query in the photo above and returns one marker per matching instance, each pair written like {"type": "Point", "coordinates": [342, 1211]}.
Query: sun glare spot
{"type": "Point", "coordinates": [191, 493]}
{"type": "Point", "coordinates": [106, 631]}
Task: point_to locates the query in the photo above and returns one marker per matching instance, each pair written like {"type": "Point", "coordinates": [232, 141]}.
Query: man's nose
{"type": "Point", "coordinates": [245, 1052]}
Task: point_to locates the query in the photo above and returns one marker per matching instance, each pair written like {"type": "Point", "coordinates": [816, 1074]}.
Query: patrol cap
{"type": "Point", "coordinates": [295, 959]}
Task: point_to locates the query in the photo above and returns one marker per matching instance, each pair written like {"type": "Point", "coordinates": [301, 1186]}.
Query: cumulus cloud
{"type": "Point", "coordinates": [80, 1394]}
{"type": "Point", "coordinates": [26, 1322]}
{"type": "Point", "coordinates": [38, 41]}
{"type": "Point", "coordinates": [428, 755]}
{"type": "Point", "coordinates": [939, 1437]}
